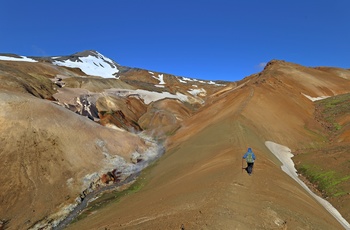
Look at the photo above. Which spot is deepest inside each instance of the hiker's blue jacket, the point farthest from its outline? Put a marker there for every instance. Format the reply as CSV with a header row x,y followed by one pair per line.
x,y
249,156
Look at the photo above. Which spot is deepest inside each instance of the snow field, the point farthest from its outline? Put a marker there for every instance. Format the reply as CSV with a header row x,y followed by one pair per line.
x,y
91,65
315,98
147,96
22,58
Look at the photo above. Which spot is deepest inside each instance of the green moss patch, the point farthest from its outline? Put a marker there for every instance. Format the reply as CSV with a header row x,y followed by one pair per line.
x,y
334,107
329,182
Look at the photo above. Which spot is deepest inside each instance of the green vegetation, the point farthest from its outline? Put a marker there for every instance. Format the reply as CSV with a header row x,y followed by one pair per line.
x,y
339,101
337,126
328,182
334,107
319,137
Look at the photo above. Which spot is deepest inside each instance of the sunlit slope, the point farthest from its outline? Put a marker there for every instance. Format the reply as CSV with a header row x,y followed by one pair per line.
x,y
46,152
199,182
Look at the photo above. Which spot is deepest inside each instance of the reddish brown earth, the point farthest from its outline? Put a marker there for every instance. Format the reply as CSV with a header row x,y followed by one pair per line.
x,y
199,182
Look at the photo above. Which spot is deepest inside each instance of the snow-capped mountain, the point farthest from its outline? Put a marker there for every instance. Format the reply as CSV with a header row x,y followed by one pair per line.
x,y
149,86
93,63
13,57
90,62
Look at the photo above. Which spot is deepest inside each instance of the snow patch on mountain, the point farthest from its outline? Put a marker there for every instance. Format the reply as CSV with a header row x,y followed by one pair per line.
x,y
198,92
19,58
147,96
186,80
181,80
214,83
315,98
160,78
95,65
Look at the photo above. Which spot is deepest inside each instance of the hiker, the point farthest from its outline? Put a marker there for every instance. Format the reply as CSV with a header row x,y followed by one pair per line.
x,y
249,156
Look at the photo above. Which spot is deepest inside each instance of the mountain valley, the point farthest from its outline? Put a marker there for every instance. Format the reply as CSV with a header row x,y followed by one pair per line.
x,y
71,125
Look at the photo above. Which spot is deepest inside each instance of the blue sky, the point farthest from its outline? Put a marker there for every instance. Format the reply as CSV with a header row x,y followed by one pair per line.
x,y
205,39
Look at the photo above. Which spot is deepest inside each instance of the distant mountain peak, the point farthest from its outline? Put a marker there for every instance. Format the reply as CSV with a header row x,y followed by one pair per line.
x,y
87,53
90,62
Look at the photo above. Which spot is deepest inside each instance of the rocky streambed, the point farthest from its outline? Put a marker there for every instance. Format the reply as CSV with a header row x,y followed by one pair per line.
x,y
125,173
84,203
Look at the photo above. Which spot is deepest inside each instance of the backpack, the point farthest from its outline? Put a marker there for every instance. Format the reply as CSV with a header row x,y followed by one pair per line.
x,y
249,158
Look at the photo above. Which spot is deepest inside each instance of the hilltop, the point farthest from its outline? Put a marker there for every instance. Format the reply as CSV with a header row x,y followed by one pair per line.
x,y
67,121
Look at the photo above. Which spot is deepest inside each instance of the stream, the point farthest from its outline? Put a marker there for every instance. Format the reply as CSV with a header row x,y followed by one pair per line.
x,y
80,207
134,171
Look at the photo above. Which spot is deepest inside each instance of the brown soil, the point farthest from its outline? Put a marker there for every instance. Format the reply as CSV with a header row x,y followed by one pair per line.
x,y
199,182
46,151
